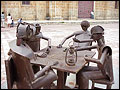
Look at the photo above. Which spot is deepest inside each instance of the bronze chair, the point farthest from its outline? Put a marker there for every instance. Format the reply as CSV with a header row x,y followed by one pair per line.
x,y
25,77
10,72
109,69
102,81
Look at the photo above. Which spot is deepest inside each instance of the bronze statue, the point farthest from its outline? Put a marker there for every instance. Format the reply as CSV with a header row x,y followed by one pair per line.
x,y
102,72
22,53
32,38
97,36
104,68
25,77
33,35
80,35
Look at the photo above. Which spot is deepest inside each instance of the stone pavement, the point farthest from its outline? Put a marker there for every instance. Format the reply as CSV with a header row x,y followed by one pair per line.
x,y
57,32
92,21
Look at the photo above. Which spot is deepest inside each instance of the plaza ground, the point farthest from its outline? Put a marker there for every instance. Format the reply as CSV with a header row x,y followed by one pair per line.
x,y
57,32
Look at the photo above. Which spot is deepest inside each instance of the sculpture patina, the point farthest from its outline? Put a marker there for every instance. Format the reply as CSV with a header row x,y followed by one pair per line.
x,y
22,51
27,44
31,34
79,35
104,69
71,56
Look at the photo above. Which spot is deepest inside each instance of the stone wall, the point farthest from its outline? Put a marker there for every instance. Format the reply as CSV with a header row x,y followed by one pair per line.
x,y
73,10
106,10
38,10
56,10
28,12
65,10
11,7
41,10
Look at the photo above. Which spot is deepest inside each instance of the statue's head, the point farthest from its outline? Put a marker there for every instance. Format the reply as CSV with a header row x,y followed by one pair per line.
x,y
85,25
38,28
26,31
97,32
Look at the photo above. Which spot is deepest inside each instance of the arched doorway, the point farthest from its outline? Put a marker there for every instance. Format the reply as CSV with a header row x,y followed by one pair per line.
x,y
85,8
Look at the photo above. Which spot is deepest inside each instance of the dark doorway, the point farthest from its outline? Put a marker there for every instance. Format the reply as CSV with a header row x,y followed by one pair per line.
x,y
85,8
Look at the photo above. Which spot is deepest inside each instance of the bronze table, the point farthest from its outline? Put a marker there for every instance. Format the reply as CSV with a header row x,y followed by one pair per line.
x,y
58,54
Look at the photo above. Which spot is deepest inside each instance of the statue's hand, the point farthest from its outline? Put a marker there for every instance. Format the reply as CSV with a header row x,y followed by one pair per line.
x,y
43,55
48,50
10,53
49,46
59,46
75,40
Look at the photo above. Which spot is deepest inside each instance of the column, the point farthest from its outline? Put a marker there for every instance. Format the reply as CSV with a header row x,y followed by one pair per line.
x,y
73,10
58,10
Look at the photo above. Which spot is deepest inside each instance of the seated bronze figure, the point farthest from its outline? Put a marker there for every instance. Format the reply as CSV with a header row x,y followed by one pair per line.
x,y
21,53
32,35
80,35
104,68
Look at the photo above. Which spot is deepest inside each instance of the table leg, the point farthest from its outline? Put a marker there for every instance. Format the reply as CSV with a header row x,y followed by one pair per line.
x,y
60,81
77,79
65,77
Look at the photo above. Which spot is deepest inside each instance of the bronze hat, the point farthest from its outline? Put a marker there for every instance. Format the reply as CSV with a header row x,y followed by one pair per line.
x,y
97,29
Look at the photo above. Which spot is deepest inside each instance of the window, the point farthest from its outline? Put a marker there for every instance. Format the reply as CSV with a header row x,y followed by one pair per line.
x,y
116,4
25,2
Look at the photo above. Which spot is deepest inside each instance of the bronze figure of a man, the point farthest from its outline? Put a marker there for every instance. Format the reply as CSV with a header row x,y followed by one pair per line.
x,y
22,53
104,61
80,35
32,35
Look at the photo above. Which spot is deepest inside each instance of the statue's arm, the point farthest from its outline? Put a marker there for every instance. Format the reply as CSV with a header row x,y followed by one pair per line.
x,y
103,56
86,48
45,80
63,41
82,41
88,59
98,61
41,72
48,39
46,68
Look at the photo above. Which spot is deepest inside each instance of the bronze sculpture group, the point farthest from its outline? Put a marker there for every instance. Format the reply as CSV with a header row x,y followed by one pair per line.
x,y
27,47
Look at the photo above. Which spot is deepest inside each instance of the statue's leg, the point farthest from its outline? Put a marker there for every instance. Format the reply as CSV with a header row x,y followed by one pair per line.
x,y
47,86
46,80
86,68
89,75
